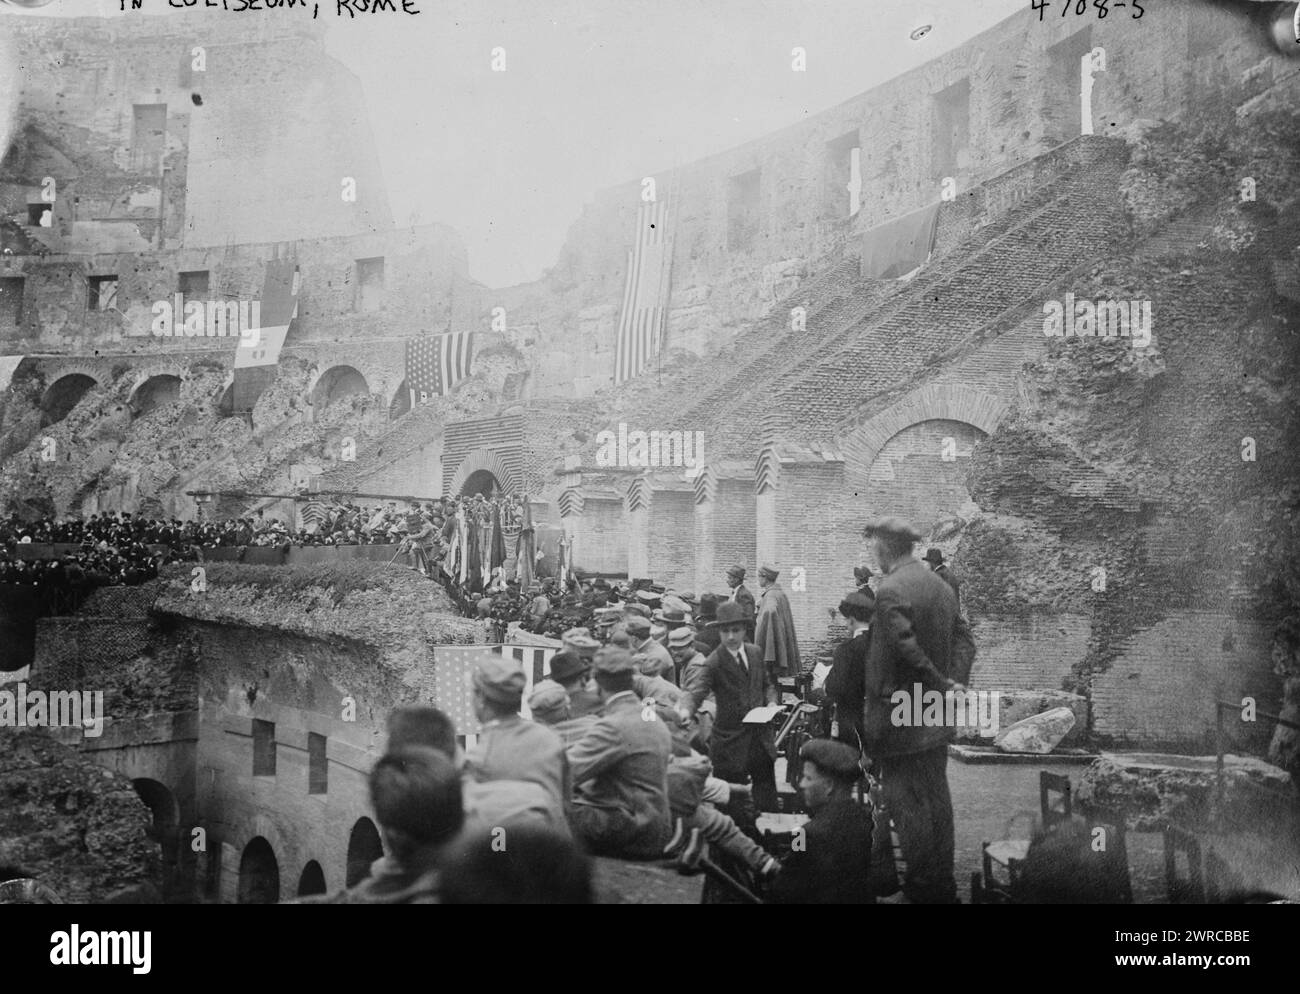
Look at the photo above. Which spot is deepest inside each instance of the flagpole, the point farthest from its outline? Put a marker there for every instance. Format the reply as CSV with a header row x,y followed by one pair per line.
x,y
666,290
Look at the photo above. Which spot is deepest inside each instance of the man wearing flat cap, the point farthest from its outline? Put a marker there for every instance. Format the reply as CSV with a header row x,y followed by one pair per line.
x,y
739,681
833,866
911,644
510,747
774,626
620,769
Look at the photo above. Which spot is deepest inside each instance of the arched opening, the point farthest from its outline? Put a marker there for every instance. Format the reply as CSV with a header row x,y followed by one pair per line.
x,y
336,384
259,874
401,402
156,392
364,848
481,481
162,805
312,880
62,396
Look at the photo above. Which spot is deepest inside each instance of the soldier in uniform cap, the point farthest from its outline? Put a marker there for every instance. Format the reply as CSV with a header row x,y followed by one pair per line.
x,y
643,644
510,747
739,592
580,643
834,864
620,769
912,643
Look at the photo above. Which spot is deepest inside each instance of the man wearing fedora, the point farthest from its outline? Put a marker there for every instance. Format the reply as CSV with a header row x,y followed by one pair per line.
x,y
774,625
739,680
570,670
935,558
911,643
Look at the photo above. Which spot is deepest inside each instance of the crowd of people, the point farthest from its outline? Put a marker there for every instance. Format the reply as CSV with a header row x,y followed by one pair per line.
x,y
642,744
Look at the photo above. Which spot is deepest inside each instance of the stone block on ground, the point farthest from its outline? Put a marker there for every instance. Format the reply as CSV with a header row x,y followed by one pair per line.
x,y
1040,733
1156,789
1015,705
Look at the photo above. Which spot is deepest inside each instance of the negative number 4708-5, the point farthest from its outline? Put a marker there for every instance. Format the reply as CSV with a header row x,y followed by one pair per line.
x,y
1080,7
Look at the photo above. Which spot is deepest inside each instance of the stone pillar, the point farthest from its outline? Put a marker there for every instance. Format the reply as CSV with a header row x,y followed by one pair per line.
x,y
724,523
670,531
636,512
798,491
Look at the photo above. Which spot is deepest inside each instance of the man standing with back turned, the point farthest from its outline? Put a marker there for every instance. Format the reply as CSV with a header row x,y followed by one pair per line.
x,y
911,644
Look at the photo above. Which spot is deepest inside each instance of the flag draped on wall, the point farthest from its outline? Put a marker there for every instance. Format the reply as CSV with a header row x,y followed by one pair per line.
x,y
641,322
453,689
436,364
257,355
898,247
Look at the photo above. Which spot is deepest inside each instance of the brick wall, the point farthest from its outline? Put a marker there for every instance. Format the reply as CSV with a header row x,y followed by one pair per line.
x,y
671,538
602,536
1034,651
1163,686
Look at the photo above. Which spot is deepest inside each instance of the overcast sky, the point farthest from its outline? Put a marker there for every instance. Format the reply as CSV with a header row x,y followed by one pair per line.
x,y
595,92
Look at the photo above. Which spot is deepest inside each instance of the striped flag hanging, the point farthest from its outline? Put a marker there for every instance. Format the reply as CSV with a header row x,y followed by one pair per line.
x,y
436,364
641,322
257,355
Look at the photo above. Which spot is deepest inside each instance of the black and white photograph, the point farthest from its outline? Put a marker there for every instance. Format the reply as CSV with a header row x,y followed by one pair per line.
x,y
651,452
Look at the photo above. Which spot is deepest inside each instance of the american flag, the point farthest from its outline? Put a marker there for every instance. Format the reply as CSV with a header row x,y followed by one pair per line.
x,y
641,322
434,365
453,680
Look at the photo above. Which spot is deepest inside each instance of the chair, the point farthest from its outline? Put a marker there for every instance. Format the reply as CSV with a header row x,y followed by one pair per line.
x,y
1119,884
1008,853
1188,889
1220,881
1050,786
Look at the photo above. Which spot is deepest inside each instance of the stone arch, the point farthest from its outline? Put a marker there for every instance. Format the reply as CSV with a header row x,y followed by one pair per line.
x,y
161,802
63,394
364,847
259,873
932,402
399,401
484,459
311,880
336,383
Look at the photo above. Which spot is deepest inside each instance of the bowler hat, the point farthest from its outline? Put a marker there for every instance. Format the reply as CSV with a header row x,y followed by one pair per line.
x,y
934,556
729,613
566,664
